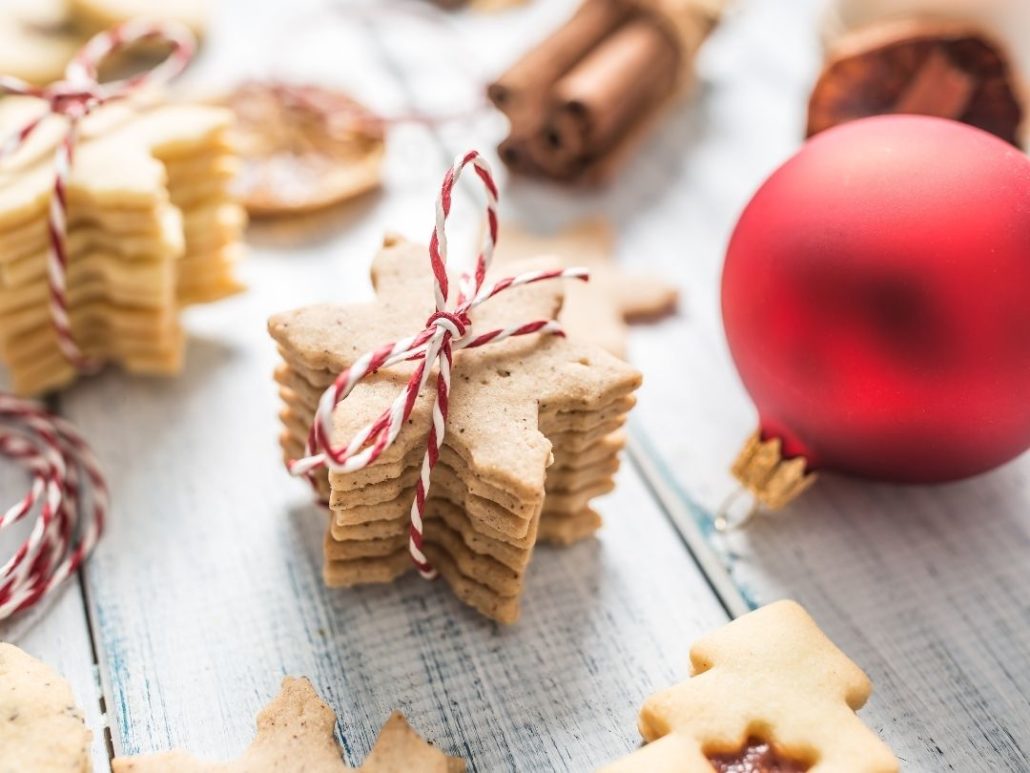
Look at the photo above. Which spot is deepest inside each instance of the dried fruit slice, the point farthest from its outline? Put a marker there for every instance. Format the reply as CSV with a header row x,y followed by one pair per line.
x,y
303,147
946,70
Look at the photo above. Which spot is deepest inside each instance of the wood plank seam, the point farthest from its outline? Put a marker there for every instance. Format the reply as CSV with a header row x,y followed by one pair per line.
x,y
691,522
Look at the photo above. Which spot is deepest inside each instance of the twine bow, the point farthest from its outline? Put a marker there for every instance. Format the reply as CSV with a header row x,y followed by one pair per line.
x,y
445,331
74,98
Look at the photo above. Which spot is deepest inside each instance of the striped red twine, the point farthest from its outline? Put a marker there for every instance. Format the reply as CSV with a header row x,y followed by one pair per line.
x,y
74,98
64,472
444,332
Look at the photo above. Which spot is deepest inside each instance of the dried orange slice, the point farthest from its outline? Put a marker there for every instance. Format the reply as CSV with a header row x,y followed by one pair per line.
x,y
303,147
946,70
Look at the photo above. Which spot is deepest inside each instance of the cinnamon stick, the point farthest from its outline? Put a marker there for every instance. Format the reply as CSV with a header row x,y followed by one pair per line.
x,y
542,66
596,103
526,150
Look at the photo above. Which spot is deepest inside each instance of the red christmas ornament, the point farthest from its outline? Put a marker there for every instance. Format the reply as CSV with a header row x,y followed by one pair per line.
x,y
876,299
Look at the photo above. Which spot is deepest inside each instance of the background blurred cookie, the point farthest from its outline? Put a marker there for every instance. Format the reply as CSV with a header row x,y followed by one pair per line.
x,y
39,37
303,147
601,310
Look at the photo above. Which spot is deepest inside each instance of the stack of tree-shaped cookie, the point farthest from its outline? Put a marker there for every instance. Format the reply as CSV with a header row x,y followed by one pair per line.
x,y
150,225
532,435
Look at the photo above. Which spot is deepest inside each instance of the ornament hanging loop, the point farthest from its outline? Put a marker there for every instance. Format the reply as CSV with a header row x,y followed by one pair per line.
x,y
769,480
737,510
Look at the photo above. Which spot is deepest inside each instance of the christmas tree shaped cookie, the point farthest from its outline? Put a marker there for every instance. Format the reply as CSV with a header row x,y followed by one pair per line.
x,y
531,437
296,732
770,693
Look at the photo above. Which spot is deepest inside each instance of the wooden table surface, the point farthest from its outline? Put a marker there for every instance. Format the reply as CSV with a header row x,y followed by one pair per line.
x,y
206,588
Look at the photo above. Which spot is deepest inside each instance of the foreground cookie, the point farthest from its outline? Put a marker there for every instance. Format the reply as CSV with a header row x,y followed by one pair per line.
x,y
599,310
532,434
771,674
41,728
295,732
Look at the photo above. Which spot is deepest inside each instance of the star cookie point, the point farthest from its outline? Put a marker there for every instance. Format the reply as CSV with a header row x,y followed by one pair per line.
x,y
399,749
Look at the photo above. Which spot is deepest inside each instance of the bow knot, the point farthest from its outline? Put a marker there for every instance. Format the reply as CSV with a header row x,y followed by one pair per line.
x,y
74,102
455,323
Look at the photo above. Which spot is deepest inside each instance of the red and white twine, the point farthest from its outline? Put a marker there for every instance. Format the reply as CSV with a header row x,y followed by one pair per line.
x,y
445,331
64,473
74,98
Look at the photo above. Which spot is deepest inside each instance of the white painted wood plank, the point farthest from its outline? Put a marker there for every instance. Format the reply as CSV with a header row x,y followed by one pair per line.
x,y
207,588
56,630
925,587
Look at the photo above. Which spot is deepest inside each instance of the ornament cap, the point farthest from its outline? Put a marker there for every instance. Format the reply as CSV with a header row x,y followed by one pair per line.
x,y
771,479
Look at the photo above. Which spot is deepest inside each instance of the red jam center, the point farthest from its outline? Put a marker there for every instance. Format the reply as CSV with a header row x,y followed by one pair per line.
x,y
756,757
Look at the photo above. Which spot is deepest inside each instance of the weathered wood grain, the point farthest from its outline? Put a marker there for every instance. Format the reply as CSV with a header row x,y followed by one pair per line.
x,y
207,588
55,631
925,587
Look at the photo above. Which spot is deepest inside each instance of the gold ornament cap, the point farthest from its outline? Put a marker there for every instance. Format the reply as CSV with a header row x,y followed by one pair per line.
x,y
772,480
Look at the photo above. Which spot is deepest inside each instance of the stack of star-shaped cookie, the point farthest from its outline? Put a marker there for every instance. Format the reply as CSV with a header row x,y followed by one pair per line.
x,y
532,436
151,225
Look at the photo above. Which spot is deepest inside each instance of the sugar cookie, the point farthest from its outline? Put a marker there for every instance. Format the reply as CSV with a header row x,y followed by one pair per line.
x,y
41,728
767,690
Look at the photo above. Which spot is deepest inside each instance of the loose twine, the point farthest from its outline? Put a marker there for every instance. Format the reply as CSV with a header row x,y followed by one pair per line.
x,y
64,473
445,331
63,469
74,98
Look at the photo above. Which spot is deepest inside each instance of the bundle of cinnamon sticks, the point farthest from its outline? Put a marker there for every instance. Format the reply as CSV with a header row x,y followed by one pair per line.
x,y
585,96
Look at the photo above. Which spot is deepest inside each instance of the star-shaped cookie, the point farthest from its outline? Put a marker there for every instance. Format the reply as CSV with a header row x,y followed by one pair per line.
x,y
524,414
600,310
295,732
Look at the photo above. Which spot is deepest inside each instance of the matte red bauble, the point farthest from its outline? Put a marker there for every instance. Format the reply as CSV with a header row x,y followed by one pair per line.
x,y
876,299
